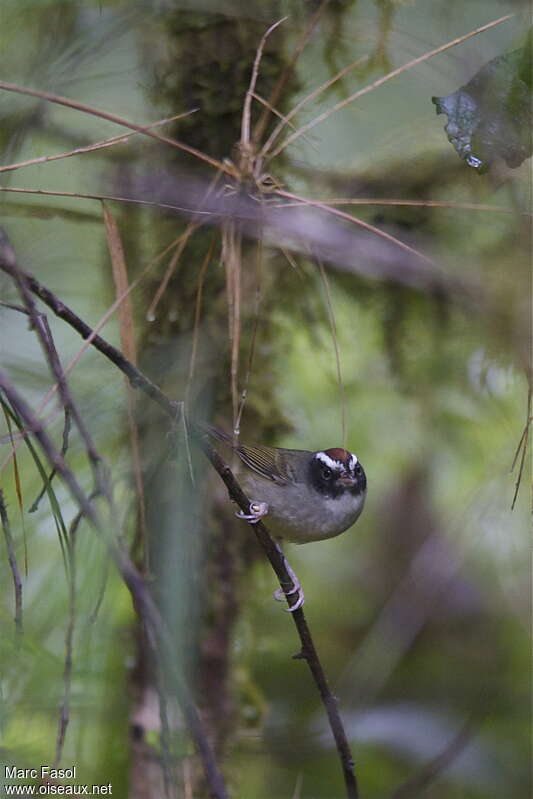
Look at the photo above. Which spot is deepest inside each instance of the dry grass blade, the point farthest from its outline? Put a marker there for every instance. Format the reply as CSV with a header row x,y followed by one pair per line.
x,y
361,92
110,197
99,145
127,339
272,110
120,278
356,221
287,72
87,109
277,130
247,106
231,256
181,243
451,204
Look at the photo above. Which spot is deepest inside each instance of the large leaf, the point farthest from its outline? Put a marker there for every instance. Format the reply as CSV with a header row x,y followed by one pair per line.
x,y
490,117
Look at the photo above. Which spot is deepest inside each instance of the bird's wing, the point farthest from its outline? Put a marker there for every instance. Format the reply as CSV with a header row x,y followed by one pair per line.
x,y
278,465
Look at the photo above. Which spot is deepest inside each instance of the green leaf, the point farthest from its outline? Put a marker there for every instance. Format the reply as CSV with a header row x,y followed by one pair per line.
x,y
490,117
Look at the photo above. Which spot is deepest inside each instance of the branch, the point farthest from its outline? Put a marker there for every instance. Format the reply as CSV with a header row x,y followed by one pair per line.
x,y
139,380
136,378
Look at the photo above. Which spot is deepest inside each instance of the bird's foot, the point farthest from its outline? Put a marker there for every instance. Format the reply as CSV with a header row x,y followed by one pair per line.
x,y
281,594
256,512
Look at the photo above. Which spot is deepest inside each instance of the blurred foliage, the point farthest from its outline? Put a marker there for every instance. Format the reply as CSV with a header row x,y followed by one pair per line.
x,y
421,613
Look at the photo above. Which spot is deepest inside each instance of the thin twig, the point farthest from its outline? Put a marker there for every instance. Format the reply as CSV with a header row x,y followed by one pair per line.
x,y
171,268
87,109
89,148
247,106
357,221
135,377
288,71
307,99
112,198
181,243
451,204
97,327
12,558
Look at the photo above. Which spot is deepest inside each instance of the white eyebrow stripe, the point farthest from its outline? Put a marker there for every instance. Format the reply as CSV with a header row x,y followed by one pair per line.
x,y
353,462
321,456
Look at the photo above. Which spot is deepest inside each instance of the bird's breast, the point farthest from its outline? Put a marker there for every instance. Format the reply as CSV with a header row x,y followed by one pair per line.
x,y
300,514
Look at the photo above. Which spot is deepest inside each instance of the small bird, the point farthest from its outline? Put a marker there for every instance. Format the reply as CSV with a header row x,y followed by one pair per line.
x,y
308,496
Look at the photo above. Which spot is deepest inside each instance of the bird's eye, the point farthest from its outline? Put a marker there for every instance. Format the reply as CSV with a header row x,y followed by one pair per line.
x,y
326,473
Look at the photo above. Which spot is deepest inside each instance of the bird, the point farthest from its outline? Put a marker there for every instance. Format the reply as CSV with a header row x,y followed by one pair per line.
x,y
307,496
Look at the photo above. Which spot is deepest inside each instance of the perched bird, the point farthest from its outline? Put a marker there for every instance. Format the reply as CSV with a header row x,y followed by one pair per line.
x,y
308,496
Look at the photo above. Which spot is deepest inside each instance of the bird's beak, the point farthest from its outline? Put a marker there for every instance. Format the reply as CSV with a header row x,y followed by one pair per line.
x,y
349,482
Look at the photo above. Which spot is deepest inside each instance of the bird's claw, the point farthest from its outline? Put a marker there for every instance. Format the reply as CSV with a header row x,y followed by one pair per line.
x,y
280,595
257,511
299,601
